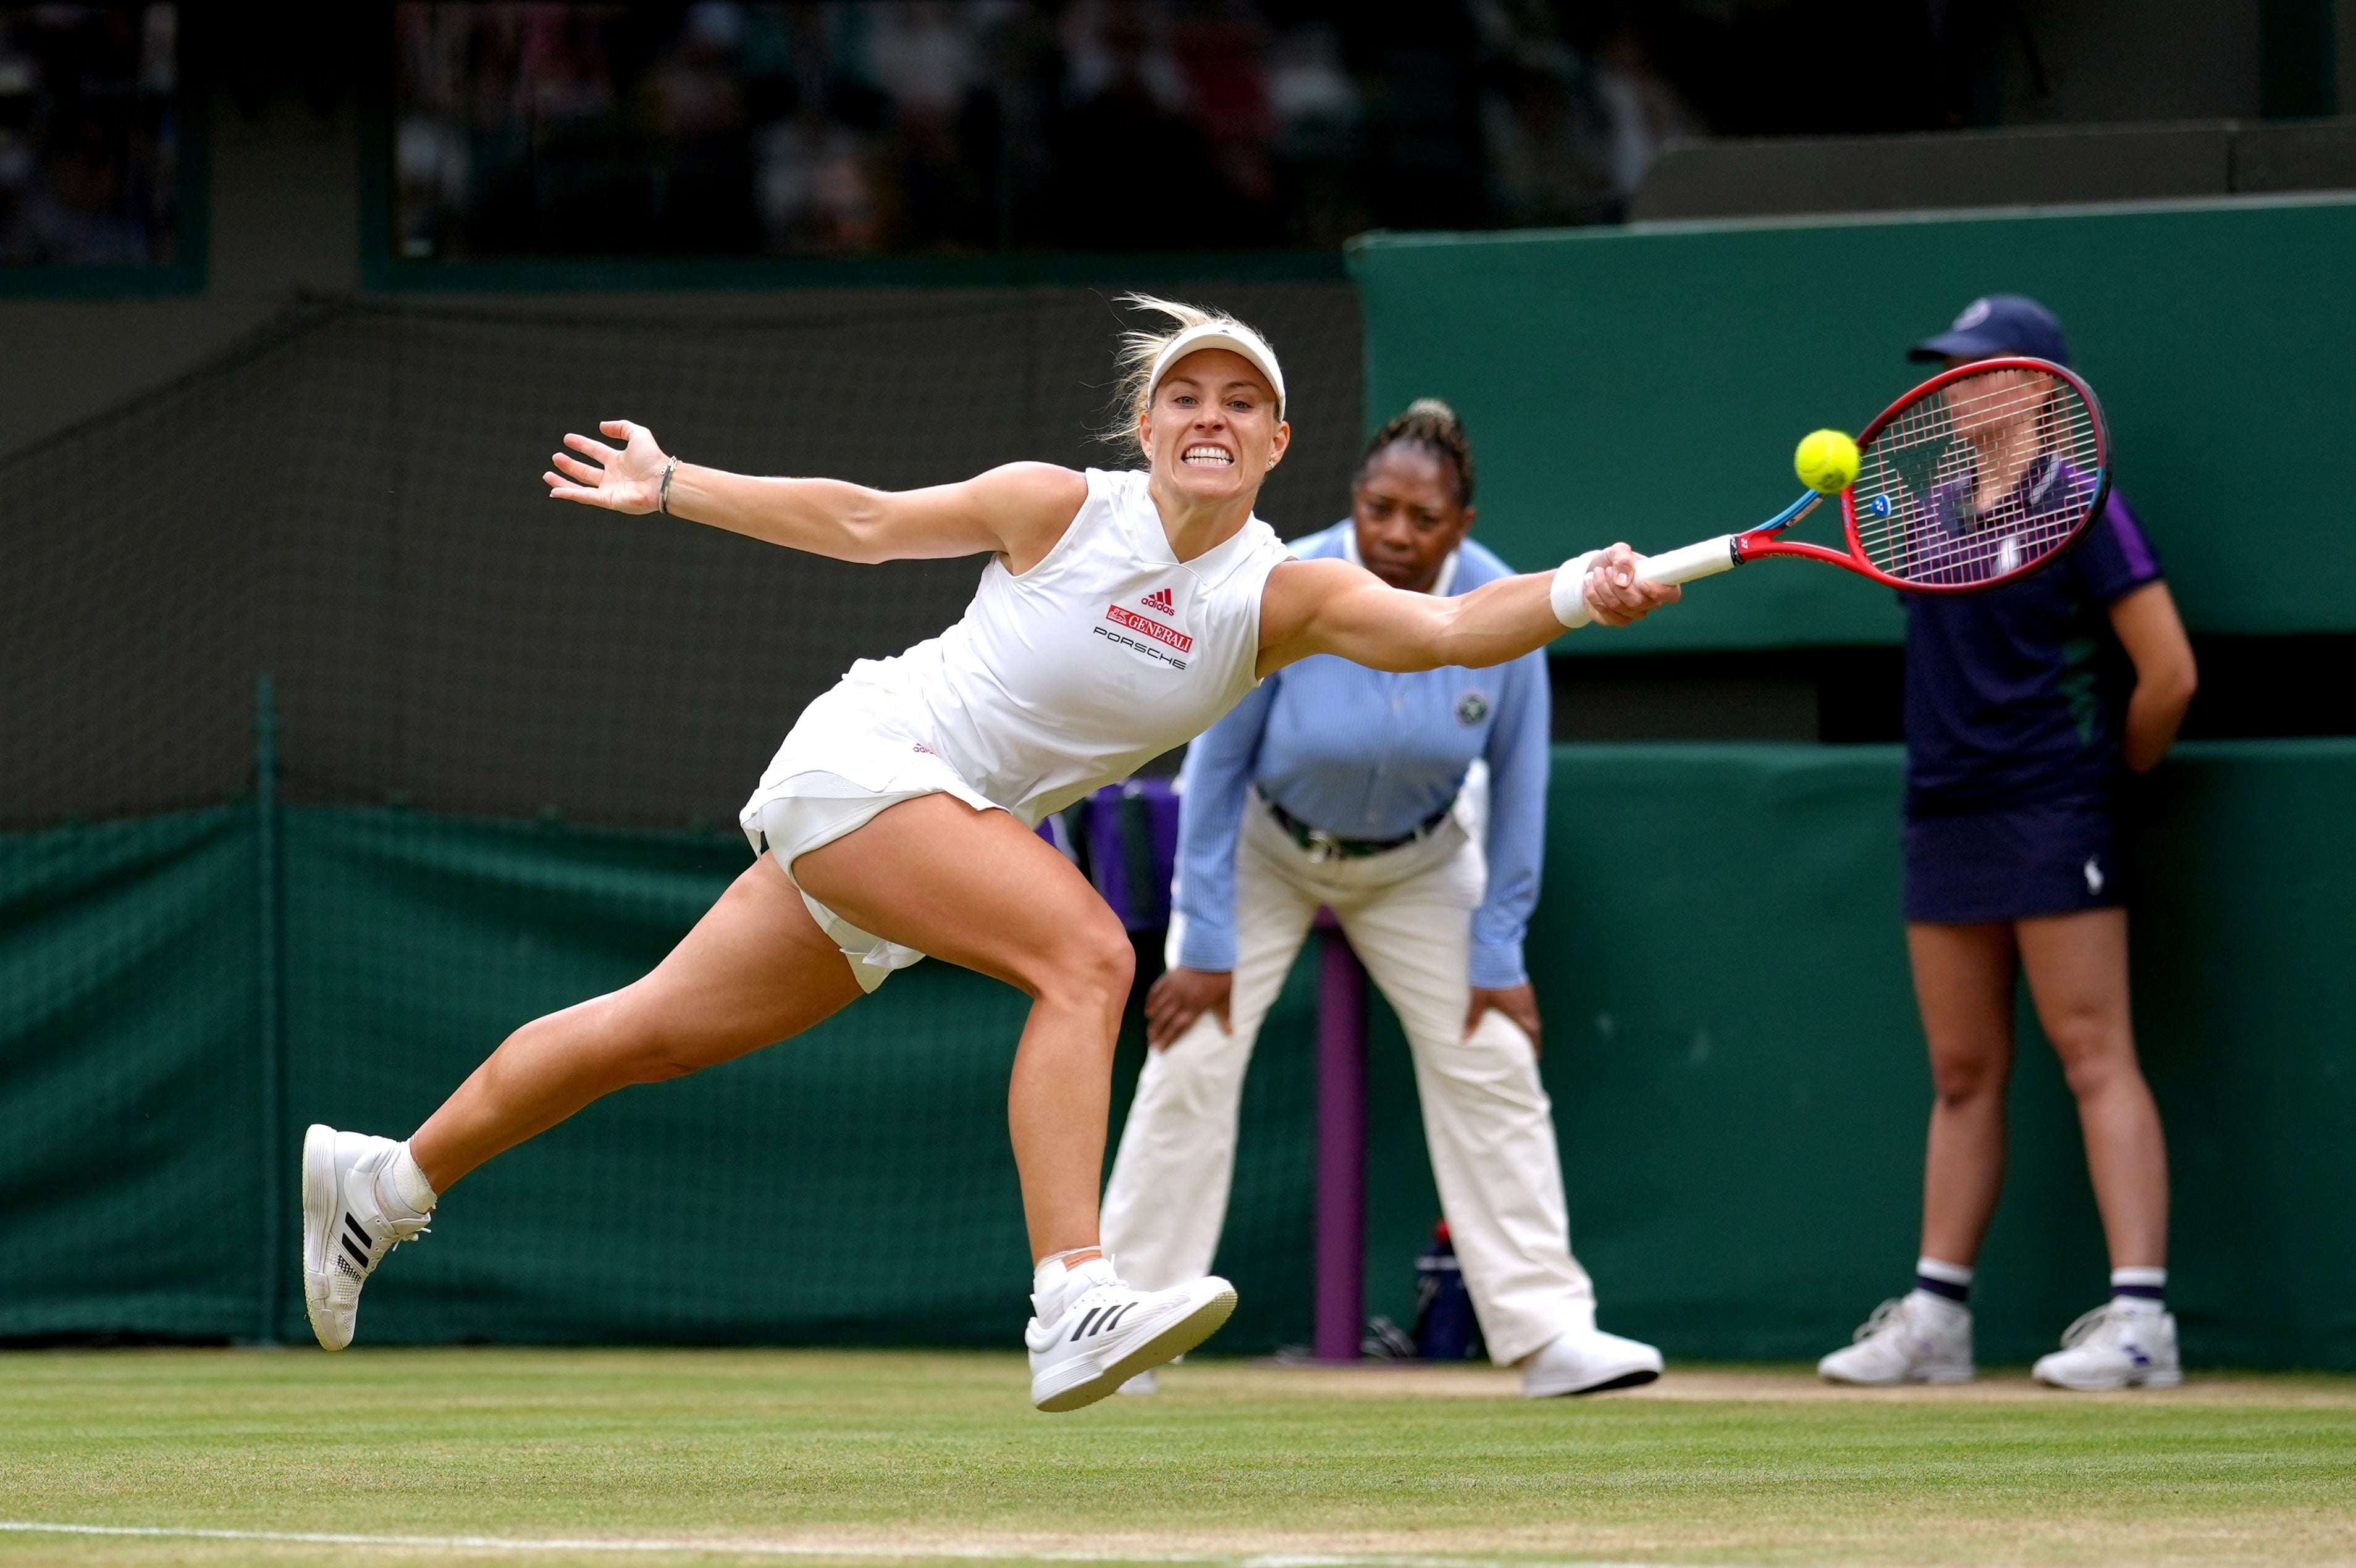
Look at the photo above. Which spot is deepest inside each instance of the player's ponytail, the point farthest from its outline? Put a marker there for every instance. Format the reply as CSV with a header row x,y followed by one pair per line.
x,y
1433,426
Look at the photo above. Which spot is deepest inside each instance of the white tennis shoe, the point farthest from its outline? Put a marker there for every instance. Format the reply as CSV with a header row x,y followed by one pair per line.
x,y
2114,1347
346,1228
1091,1333
1916,1339
1588,1360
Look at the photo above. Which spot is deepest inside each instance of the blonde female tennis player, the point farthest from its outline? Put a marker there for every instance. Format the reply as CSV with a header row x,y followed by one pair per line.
x,y
1121,614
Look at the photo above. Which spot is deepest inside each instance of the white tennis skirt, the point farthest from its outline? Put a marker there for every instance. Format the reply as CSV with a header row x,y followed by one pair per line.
x,y
847,761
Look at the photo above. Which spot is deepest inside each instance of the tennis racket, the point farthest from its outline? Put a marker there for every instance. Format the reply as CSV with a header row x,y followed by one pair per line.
x,y
1977,477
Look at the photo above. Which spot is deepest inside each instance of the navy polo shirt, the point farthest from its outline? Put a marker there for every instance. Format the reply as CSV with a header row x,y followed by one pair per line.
x,y
2014,697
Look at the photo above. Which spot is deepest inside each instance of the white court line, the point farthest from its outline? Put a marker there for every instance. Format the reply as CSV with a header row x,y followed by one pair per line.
x,y
797,1548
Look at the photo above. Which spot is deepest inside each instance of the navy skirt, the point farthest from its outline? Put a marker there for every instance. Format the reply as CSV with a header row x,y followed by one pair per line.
x,y
2050,858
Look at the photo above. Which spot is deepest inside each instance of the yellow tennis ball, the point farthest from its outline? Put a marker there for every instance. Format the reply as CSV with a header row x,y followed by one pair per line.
x,y
1826,462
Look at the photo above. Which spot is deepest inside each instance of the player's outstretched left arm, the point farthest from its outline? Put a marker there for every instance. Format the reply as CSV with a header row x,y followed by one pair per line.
x,y
1330,607
1019,510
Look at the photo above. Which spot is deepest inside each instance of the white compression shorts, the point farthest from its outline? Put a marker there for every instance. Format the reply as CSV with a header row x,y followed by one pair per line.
x,y
810,810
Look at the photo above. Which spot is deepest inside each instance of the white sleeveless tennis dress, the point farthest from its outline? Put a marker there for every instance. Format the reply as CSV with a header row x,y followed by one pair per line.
x,y
1103,656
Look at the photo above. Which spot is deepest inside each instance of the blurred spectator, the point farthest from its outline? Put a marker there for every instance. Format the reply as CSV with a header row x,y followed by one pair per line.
x,y
89,134
906,126
1539,118
1133,171
1642,113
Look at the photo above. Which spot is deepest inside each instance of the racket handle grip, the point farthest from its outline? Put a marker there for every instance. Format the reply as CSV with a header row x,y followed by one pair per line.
x,y
1704,559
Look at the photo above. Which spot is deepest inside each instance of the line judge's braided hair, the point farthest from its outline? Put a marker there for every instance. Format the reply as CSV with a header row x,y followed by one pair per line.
x,y
1433,426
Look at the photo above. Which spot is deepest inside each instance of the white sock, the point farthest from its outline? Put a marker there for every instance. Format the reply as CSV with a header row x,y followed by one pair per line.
x,y
1051,1282
402,1187
2139,1289
1943,1285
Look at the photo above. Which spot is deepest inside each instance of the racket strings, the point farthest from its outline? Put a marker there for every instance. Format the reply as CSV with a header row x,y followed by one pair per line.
x,y
1978,479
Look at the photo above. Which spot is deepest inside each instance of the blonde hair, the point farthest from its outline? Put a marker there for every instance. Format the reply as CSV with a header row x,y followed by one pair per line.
x,y
1138,350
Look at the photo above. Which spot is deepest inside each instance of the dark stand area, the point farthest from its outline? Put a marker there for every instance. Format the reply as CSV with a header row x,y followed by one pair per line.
x,y
2252,688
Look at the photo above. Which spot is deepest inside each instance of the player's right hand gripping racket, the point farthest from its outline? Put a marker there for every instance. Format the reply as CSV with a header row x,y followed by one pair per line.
x,y
1980,475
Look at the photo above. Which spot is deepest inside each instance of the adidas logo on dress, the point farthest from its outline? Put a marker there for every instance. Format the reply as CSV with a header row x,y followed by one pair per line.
x,y
1159,602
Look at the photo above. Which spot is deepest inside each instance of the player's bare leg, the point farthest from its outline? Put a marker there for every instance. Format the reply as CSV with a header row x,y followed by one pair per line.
x,y
971,887
1963,977
979,889
755,969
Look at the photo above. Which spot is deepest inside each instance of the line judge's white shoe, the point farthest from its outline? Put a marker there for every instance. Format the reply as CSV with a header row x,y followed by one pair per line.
x,y
1091,1333
346,1230
1916,1339
2113,1347
1588,1360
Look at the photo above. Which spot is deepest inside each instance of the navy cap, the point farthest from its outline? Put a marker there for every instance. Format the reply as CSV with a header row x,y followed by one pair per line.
x,y
1998,324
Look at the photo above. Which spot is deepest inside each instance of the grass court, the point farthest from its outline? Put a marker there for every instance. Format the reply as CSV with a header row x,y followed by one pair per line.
x,y
665,1456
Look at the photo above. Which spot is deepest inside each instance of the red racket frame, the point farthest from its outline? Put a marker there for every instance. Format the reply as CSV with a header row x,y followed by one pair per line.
x,y
1763,540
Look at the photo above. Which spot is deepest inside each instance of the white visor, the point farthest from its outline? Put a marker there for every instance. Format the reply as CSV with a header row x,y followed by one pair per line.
x,y
1231,336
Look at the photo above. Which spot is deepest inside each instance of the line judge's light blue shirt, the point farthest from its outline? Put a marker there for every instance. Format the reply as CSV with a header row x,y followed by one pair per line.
x,y
1365,754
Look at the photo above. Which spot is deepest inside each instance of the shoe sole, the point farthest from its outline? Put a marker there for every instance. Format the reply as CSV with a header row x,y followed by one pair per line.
x,y
1637,1377
2155,1380
1165,1347
1936,1379
318,1200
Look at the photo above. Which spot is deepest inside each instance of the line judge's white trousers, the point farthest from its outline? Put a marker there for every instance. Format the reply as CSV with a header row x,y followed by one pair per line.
x,y
1408,914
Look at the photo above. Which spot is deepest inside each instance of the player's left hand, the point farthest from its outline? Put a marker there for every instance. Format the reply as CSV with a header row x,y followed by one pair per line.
x,y
1617,595
627,478
1519,1003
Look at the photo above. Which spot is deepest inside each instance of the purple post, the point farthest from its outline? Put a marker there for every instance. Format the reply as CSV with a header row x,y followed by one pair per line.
x,y
1341,1146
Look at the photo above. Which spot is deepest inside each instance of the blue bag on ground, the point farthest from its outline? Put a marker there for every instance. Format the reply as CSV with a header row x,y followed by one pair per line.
x,y
1445,1327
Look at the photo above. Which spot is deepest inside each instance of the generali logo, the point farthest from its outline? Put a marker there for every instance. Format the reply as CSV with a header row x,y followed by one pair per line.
x,y
1157,602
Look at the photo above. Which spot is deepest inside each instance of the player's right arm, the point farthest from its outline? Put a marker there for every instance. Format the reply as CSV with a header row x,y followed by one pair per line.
x,y
1019,511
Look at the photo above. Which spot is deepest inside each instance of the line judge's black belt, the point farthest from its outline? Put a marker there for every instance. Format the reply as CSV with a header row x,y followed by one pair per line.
x,y
1323,846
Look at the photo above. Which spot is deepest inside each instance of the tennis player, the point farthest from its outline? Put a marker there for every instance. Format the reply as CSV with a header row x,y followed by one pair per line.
x,y
1121,614
1339,785
2016,735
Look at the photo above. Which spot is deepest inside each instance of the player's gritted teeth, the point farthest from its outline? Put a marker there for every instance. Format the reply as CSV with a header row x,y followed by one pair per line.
x,y
1208,454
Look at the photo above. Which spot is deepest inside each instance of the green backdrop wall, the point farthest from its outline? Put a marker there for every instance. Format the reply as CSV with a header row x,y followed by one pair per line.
x,y
1740,1082
1736,1068
855,1187
1650,383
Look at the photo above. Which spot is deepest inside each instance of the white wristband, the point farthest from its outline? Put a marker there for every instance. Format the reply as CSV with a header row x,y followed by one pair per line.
x,y
1568,594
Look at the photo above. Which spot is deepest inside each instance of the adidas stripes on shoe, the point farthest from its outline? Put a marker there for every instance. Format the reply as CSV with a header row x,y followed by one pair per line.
x,y
1090,1333
347,1228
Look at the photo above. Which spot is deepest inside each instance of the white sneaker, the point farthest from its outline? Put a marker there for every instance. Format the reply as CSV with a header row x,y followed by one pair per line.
x,y
2114,1347
1144,1383
346,1231
1916,1339
1588,1360
1091,1333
